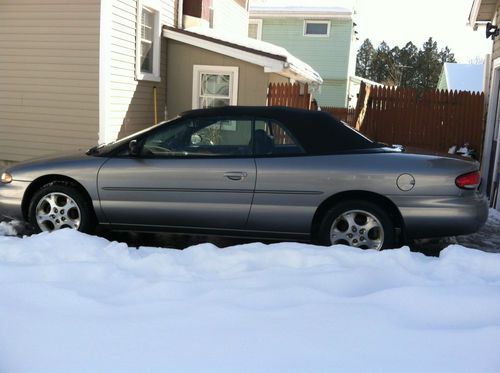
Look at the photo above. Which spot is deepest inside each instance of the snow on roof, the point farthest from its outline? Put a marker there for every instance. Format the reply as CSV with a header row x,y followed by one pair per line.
x,y
324,7
288,62
358,79
464,77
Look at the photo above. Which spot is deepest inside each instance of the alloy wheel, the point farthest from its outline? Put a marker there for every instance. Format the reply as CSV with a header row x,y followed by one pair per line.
x,y
357,228
56,211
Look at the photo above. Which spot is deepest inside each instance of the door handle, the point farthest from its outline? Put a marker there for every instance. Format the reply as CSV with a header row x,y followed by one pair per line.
x,y
235,175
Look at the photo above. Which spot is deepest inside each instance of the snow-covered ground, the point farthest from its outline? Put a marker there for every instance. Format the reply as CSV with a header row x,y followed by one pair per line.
x,y
487,238
70,302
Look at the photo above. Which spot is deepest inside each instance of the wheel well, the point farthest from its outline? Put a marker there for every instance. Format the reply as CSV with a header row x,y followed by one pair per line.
x,y
43,180
378,199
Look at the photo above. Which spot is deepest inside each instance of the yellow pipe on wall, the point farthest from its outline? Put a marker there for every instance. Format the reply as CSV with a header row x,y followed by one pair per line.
x,y
154,105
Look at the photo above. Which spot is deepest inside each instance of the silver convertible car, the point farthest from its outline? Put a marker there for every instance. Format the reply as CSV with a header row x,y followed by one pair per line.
x,y
261,172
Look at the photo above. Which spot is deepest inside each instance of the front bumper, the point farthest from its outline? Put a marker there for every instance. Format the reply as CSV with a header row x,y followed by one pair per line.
x,y
426,217
11,198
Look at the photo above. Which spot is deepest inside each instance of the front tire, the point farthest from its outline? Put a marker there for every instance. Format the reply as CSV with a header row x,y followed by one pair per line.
x,y
360,224
60,205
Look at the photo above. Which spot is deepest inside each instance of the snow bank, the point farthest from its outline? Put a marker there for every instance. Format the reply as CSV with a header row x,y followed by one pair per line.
x,y
73,302
494,216
8,228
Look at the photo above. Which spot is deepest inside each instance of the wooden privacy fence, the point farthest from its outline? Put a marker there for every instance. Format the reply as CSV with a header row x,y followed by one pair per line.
x,y
432,120
291,95
348,115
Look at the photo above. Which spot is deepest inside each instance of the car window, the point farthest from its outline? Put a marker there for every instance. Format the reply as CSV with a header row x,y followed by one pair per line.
x,y
201,137
271,138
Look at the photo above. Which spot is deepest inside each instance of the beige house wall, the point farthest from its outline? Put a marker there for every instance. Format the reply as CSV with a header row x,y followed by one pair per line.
x,y
181,57
275,78
49,76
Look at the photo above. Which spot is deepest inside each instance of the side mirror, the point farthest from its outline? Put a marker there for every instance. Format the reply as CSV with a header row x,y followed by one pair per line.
x,y
133,148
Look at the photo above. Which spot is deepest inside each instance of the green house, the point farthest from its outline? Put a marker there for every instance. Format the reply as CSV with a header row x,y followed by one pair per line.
x,y
319,33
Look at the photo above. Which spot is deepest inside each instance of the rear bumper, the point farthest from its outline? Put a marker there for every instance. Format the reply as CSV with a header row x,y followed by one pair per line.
x,y
426,217
11,198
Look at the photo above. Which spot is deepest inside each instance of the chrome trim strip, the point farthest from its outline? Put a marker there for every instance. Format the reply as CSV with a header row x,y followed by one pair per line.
x,y
201,190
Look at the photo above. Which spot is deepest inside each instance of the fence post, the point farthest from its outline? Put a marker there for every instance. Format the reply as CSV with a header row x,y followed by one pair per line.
x,y
362,105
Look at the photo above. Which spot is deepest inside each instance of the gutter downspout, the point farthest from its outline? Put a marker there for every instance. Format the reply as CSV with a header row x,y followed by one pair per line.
x,y
155,106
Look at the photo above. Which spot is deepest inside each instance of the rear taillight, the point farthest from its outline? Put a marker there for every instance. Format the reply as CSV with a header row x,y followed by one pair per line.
x,y
470,180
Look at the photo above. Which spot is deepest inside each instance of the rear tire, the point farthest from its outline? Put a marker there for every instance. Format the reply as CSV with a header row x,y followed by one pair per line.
x,y
60,205
360,224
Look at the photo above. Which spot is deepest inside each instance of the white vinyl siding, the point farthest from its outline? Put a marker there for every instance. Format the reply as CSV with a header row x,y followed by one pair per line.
x,y
131,104
230,17
49,77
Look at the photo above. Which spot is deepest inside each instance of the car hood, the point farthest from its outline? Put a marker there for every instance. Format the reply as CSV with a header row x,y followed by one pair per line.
x,y
68,164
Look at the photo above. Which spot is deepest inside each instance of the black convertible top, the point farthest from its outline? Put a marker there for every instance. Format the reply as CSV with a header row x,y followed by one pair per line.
x,y
318,132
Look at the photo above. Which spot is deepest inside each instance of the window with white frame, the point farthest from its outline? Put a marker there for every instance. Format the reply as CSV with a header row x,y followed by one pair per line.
x,y
317,28
255,29
214,86
148,42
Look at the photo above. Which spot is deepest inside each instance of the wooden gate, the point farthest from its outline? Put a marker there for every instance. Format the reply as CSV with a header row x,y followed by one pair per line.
x,y
348,115
287,94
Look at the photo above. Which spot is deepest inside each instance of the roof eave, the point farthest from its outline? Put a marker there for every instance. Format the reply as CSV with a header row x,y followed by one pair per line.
x,y
271,63
295,73
290,14
481,13
359,79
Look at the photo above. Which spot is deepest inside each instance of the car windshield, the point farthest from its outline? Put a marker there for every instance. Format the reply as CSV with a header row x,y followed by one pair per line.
x,y
104,149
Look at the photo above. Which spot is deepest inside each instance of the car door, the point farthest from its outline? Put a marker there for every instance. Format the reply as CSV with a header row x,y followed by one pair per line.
x,y
286,191
192,174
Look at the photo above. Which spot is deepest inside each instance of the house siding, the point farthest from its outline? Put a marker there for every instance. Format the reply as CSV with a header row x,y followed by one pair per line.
x,y
332,93
49,77
230,17
252,81
496,42
131,101
335,61
442,82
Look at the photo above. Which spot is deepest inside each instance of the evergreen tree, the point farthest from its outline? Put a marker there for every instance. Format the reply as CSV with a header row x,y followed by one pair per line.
x,y
405,67
428,65
445,55
407,61
394,67
364,59
381,63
